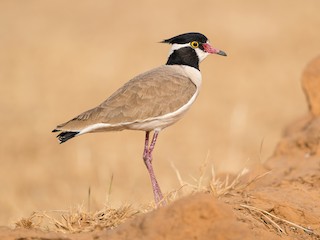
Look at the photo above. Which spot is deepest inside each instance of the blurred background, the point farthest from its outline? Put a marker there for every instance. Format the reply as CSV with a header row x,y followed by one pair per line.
x,y
60,58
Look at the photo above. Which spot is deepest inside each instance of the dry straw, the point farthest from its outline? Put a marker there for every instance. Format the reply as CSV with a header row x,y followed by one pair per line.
x,y
268,216
78,220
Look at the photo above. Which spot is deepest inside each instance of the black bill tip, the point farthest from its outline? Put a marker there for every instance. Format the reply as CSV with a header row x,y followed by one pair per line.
x,y
222,53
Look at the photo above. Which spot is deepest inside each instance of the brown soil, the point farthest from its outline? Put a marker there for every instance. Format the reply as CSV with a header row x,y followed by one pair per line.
x,y
283,204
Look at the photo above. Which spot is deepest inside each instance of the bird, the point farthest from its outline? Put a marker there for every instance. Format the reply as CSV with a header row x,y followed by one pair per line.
x,y
151,101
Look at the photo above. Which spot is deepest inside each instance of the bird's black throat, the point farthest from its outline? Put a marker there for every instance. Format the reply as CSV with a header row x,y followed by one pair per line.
x,y
184,56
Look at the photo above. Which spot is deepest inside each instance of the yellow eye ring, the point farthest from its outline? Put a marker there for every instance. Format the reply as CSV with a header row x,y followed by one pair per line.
x,y
194,44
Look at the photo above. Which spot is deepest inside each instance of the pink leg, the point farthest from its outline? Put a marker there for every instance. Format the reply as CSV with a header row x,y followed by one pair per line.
x,y
147,157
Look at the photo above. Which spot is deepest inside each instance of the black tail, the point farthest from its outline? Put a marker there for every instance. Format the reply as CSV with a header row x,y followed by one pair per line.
x,y
65,136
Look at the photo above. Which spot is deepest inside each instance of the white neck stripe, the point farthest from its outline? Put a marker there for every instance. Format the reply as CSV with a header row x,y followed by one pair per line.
x,y
177,46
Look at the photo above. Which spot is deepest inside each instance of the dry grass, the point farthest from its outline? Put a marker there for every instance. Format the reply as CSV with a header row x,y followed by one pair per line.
x,y
213,184
224,187
272,219
78,220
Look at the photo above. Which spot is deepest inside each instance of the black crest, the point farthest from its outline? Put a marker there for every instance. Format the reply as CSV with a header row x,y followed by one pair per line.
x,y
186,38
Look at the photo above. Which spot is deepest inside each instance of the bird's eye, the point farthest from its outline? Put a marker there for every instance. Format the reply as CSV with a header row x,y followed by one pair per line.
x,y
194,44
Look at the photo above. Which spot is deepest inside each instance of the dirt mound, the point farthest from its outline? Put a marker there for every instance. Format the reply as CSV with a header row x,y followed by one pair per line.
x,y
303,136
281,205
196,217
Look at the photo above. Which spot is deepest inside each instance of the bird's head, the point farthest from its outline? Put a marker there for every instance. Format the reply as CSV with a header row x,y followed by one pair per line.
x,y
190,49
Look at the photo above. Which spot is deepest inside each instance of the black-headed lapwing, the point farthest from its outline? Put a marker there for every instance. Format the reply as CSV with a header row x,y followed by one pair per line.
x,y
150,101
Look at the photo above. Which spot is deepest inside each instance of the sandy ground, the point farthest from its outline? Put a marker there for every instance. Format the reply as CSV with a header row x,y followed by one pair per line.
x,y
60,58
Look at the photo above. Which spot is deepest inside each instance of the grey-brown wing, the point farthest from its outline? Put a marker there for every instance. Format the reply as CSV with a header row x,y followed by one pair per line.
x,y
152,94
